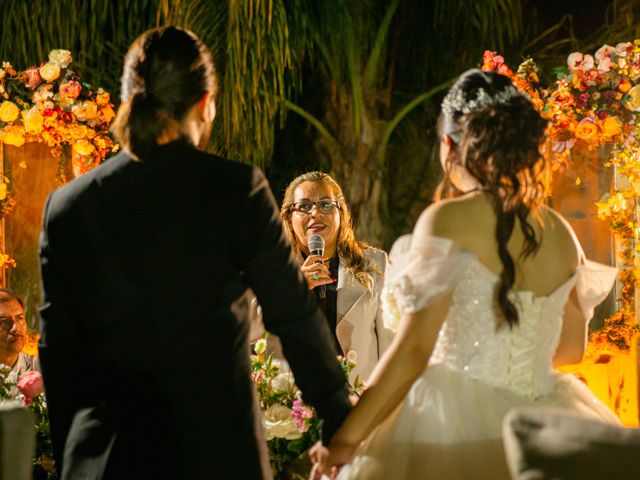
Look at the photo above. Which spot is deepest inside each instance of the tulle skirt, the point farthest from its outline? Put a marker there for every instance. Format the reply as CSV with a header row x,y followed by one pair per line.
x,y
450,427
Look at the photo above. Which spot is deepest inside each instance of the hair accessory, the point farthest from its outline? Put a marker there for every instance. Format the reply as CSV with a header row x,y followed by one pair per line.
x,y
455,101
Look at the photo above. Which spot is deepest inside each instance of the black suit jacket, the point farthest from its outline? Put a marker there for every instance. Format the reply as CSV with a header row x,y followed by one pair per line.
x,y
144,334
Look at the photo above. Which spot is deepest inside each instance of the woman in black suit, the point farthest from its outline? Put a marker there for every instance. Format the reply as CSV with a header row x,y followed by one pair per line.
x,y
145,263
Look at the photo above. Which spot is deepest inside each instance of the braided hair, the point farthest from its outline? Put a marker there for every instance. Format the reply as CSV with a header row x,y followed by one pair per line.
x,y
496,135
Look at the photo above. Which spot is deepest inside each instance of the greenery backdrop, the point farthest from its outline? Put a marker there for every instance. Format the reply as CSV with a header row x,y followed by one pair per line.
x,y
350,87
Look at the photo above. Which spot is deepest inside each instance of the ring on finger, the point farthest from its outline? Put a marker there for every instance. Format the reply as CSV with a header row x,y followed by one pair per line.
x,y
315,276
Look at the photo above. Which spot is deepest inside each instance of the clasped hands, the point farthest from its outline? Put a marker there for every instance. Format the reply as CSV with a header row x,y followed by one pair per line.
x,y
327,462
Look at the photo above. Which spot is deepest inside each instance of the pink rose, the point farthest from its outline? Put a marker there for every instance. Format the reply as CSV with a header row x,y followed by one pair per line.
x,y
30,384
33,78
70,89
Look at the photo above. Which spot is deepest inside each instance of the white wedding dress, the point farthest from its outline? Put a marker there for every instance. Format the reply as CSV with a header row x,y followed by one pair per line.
x,y
449,426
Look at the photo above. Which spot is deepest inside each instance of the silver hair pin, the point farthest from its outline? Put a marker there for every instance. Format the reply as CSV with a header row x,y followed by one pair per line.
x,y
456,102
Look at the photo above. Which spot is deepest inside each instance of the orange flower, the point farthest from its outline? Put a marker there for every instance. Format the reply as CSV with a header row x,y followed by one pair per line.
x,y
71,89
6,260
102,98
107,113
587,130
624,85
611,127
85,111
562,95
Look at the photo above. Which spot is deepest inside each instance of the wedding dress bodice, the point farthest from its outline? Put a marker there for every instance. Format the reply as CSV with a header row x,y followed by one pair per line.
x,y
470,341
518,358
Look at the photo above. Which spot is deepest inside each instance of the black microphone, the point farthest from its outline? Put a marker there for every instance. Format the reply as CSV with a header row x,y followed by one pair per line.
x,y
316,247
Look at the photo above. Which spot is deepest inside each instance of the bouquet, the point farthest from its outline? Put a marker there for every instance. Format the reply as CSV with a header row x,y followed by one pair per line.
x,y
291,426
29,389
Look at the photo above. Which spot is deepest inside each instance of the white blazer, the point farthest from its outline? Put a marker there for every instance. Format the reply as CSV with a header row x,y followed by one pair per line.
x,y
359,327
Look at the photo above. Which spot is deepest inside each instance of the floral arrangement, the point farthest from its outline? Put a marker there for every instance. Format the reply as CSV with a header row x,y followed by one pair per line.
x,y
49,104
594,102
29,389
291,427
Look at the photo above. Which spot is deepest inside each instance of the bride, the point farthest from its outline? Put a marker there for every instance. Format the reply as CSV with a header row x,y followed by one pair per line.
x,y
489,293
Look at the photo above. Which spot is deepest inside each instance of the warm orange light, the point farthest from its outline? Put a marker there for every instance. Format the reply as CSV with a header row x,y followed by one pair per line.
x,y
613,376
31,344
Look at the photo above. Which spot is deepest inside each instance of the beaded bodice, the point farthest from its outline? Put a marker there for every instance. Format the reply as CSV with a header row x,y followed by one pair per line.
x,y
518,359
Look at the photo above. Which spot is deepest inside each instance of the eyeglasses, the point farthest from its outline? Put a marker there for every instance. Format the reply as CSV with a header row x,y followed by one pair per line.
x,y
325,206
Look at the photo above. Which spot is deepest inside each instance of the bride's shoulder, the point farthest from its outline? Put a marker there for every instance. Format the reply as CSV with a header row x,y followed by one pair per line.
x,y
454,219
559,232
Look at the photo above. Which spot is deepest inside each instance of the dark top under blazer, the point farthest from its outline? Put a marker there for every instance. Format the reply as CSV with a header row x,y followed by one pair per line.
x,y
144,335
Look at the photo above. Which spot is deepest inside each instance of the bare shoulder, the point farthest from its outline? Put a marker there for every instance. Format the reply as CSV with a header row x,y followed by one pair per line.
x,y
455,219
560,235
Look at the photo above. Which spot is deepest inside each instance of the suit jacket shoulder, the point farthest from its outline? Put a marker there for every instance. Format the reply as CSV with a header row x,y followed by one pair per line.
x,y
377,257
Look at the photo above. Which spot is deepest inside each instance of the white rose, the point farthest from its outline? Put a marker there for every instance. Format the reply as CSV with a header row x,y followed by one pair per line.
x,y
283,381
352,356
278,423
60,57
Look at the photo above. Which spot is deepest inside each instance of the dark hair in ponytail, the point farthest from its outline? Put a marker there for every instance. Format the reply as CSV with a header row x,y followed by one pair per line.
x,y
166,71
497,134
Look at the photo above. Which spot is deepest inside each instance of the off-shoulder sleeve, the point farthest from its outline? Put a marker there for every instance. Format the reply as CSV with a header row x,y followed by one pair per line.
x,y
420,272
594,282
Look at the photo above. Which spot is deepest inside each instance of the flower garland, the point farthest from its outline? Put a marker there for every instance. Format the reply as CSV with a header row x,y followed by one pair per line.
x,y
595,101
48,104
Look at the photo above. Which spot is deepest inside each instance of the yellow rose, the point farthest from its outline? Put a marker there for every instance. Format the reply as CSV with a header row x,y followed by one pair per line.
x,y
83,147
632,101
49,71
12,135
586,130
77,131
611,127
33,120
60,57
8,112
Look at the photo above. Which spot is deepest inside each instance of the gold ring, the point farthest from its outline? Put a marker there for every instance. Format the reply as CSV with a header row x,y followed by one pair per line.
x,y
315,276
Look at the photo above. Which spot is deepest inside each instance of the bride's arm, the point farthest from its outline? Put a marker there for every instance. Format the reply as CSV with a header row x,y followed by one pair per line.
x,y
573,337
399,367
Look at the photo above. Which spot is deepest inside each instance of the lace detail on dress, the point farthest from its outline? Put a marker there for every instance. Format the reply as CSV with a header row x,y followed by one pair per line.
x,y
418,275
518,359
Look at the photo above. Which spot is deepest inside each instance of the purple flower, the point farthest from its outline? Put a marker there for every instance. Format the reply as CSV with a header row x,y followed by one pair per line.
x,y
300,414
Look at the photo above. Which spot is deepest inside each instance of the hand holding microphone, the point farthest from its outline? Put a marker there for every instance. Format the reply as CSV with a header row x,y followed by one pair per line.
x,y
314,268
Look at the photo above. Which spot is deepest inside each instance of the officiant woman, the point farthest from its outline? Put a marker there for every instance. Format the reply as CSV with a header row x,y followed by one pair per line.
x,y
348,278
